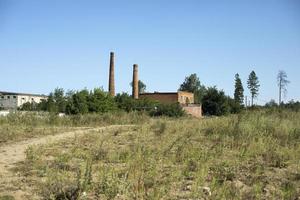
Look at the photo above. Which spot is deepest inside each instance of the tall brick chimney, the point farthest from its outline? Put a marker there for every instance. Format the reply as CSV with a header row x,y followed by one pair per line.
x,y
135,82
111,83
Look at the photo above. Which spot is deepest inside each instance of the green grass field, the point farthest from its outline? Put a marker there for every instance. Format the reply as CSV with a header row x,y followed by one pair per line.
x,y
253,155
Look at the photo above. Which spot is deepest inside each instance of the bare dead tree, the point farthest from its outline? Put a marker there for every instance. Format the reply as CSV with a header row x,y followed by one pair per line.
x,y
282,84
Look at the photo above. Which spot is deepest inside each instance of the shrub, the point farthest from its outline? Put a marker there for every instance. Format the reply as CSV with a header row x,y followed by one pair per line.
x,y
127,103
215,102
29,106
170,110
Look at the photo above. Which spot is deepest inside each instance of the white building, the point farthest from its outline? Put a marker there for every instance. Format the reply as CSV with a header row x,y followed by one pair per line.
x,y
12,100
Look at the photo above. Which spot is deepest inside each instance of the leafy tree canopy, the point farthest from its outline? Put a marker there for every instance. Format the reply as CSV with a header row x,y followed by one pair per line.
x,y
215,102
192,84
142,86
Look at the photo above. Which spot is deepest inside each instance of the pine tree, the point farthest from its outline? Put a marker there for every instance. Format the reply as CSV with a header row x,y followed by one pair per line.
x,y
239,90
253,85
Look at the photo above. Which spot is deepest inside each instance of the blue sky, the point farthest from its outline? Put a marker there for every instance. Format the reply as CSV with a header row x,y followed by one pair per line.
x,y
66,43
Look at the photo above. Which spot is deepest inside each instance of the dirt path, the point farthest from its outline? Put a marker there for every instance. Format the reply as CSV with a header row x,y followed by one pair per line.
x,y
13,153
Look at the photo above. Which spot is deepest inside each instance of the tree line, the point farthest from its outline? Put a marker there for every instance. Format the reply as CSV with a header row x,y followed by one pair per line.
x,y
213,100
99,101
216,102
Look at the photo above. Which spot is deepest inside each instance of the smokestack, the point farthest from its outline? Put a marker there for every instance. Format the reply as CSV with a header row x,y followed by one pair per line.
x,y
135,82
111,83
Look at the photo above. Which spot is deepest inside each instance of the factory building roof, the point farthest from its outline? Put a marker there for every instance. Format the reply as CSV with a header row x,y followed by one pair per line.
x,y
25,94
166,93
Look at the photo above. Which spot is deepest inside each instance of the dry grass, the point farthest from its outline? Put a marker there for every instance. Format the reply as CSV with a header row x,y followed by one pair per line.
x,y
249,156
17,127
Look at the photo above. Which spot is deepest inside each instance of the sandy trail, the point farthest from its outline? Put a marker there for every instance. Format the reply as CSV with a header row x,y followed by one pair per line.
x,y
11,154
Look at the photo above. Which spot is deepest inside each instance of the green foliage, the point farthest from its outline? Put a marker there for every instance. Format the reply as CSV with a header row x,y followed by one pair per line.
x,y
100,102
292,105
192,84
42,106
51,105
253,85
29,106
234,107
271,104
170,110
127,103
96,101
239,90
78,103
215,102
56,103
142,86
60,100
144,105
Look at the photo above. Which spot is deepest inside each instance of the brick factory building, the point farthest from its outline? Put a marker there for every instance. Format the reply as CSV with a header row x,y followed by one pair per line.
x,y
185,99
170,97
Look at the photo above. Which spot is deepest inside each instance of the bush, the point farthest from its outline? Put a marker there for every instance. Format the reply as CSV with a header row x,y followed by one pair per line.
x,y
96,101
29,106
215,102
234,107
124,102
170,110
127,103
292,105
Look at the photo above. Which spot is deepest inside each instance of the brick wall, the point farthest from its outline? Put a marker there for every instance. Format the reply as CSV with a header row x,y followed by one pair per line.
x,y
194,110
161,97
171,97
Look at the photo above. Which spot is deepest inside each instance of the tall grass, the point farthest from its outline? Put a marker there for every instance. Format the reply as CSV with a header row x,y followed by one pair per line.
x,y
48,119
253,155
19,126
